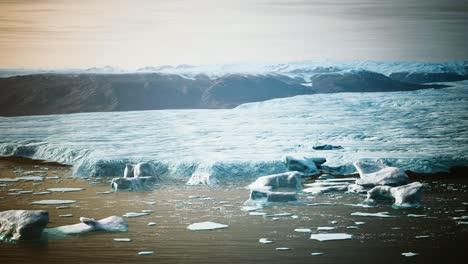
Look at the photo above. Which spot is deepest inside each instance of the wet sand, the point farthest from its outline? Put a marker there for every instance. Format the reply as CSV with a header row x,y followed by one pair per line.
x,y
379,240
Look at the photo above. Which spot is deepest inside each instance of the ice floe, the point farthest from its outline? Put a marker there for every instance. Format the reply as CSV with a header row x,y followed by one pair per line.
x,y
122,240
406,196
145,253
265,241
53,202
303,230
206,226
381,214
316,253
377,173
325,228
282,249
409,254
65,189
331,236
132,214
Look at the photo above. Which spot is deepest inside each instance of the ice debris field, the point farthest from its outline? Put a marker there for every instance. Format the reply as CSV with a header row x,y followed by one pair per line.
x,y
423,131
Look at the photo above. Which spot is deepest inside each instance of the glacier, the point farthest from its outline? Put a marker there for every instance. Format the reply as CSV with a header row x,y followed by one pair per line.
x,y
423,131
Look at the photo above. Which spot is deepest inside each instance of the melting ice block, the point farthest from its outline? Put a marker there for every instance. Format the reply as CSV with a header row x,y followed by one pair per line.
x,y
302,164
377,173
282,180
202,178
331,236
65,189
406,196
87,225
206,226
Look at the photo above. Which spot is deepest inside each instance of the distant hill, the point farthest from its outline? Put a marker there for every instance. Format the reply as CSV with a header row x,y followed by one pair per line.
x,y
43,94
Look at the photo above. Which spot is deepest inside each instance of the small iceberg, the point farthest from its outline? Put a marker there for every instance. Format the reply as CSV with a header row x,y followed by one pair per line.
x,y
377,173
381,214
53,202
409,254
282,249
206,226
331,236
406,196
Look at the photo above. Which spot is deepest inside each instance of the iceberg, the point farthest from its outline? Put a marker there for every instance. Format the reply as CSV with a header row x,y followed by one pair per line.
x,y
406,196
377,173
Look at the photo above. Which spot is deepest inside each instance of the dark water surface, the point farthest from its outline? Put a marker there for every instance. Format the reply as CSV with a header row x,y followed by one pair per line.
x,y
379,240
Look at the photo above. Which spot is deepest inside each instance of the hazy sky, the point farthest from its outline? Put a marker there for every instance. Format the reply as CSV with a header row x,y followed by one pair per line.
x,y
137,33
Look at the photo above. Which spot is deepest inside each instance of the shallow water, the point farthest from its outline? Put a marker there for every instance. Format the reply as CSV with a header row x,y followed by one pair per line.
x,y
379,240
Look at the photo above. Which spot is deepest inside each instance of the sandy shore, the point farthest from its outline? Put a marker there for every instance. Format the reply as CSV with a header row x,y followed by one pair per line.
x,y
378,240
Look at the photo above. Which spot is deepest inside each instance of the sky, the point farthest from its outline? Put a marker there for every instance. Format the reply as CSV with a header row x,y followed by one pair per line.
x,y
139,33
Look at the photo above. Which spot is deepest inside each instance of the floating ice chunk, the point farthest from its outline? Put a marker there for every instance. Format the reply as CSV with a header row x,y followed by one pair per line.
x,y
41,193
352,227
30,178
302,164
425,236
52,178
325,228
359,223
326,189
257,213
197,196
294,216
333,222
406,196
377,173
268,196
316,253
416,215
105,192
462,223
279,215
381,214
65,189
51,202
265,241
25,192
148,211
66,215
282,249
303,230
122,240
132,214
9,179
409,254
133,184
202,178
320,204
151,224
206,226
282,180
87,225
360,205
251,208
331,236
145,253
150,202
463,217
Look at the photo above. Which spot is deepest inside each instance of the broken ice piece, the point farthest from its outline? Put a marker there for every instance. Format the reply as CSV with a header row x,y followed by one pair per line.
x,y
265,241
325,228
282,249
422,236
303,230
151,224
122,239
409,254
65,189
206,226
415,215
381,214
148,211
359,223
331,236
145,253
49,202
132,214
316,253
257,213
65,215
